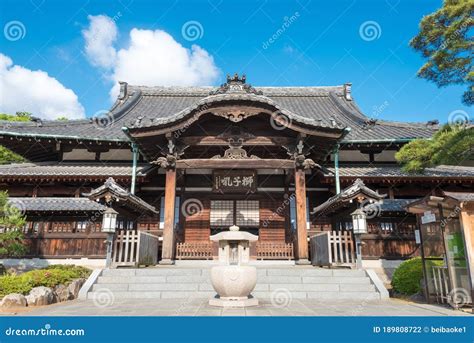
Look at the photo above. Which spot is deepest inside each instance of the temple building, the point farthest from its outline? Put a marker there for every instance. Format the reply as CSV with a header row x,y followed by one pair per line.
x,y
180,164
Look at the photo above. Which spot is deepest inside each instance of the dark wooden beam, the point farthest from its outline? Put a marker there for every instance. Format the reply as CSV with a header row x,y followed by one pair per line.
x,y
236,164
214,140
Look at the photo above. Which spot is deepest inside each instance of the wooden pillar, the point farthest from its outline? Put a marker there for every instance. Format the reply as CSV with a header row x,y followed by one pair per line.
x,y
301,231
167,255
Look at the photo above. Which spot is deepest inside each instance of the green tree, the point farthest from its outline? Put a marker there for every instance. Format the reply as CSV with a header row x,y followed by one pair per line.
x,y
451,145
445,40
6,155
12,240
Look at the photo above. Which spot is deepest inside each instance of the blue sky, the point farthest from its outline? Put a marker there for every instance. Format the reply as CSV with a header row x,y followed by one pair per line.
x,y
323,44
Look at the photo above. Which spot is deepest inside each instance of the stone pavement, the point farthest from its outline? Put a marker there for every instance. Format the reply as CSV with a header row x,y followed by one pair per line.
x,y
200,307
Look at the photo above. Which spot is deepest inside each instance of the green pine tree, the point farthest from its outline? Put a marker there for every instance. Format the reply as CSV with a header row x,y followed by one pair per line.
x,y
445,40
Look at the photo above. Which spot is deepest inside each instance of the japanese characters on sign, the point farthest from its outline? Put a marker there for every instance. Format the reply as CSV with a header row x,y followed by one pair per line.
x,y
234,181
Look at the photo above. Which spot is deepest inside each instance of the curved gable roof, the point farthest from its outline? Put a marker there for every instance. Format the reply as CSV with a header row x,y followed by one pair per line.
x,y
330,107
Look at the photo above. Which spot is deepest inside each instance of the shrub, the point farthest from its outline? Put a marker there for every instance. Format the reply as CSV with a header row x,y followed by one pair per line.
x,y
48,277
12,244
407,277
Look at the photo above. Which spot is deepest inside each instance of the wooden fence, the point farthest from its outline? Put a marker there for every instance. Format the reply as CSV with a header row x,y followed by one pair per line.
x,y
274,251
64,239
194,251
440,283
333,248
133,248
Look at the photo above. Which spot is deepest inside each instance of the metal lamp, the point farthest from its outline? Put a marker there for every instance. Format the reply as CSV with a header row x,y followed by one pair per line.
x,y
359,227
109,222
359,222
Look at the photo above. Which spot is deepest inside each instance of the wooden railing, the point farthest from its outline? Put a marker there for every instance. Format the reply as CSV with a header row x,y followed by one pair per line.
x,y
194,251
333,248
133,248
274,251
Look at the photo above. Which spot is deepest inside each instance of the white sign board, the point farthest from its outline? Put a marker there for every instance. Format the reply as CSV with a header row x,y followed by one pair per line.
x,y
417,237
428,217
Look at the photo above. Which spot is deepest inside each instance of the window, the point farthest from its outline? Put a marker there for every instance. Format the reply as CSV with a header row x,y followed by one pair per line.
x,y
244,213
247,213
123,224
222,213
81,226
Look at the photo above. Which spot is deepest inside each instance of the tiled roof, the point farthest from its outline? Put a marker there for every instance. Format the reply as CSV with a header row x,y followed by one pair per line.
x,y
357,189
395,205
47,204
144,106
65,169
113,188
373,170
462,197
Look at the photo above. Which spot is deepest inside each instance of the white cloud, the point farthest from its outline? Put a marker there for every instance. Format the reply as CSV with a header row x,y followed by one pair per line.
x,y
152,58
22,89
100,36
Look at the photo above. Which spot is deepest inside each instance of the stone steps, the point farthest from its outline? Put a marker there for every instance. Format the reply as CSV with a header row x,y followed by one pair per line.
x,y
292,282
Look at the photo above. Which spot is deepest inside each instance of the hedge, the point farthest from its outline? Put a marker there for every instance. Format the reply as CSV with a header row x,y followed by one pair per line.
x,y
407,277
50,277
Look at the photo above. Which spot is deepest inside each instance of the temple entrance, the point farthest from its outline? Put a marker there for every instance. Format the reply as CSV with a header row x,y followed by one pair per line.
x,y
266,215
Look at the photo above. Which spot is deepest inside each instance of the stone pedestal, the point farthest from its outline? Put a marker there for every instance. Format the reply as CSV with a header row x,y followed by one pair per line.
x,y
233,281
233,285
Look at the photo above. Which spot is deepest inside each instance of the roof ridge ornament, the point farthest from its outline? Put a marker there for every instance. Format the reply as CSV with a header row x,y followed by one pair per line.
x,y
235,84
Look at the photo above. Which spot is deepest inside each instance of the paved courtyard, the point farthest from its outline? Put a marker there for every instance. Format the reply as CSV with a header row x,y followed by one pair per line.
x,y
200,307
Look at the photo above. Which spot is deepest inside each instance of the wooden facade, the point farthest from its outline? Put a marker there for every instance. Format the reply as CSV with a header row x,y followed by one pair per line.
x,y
261,159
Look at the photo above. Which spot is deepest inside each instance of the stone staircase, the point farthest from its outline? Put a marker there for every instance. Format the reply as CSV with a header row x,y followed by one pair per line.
x,y
275,283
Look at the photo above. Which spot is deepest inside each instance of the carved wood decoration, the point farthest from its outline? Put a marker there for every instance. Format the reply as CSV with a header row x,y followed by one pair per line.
x,y
173,153
235,151
298,153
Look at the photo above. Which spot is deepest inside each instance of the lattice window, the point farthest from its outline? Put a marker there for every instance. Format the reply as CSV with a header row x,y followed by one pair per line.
x,y
247,213
81,226
222,213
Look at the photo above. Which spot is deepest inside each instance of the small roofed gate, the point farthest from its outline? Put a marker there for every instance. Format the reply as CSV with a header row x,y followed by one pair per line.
x,y
133,248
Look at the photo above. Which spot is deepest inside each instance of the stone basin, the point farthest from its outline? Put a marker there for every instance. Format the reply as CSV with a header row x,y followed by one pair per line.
x,y
233,284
